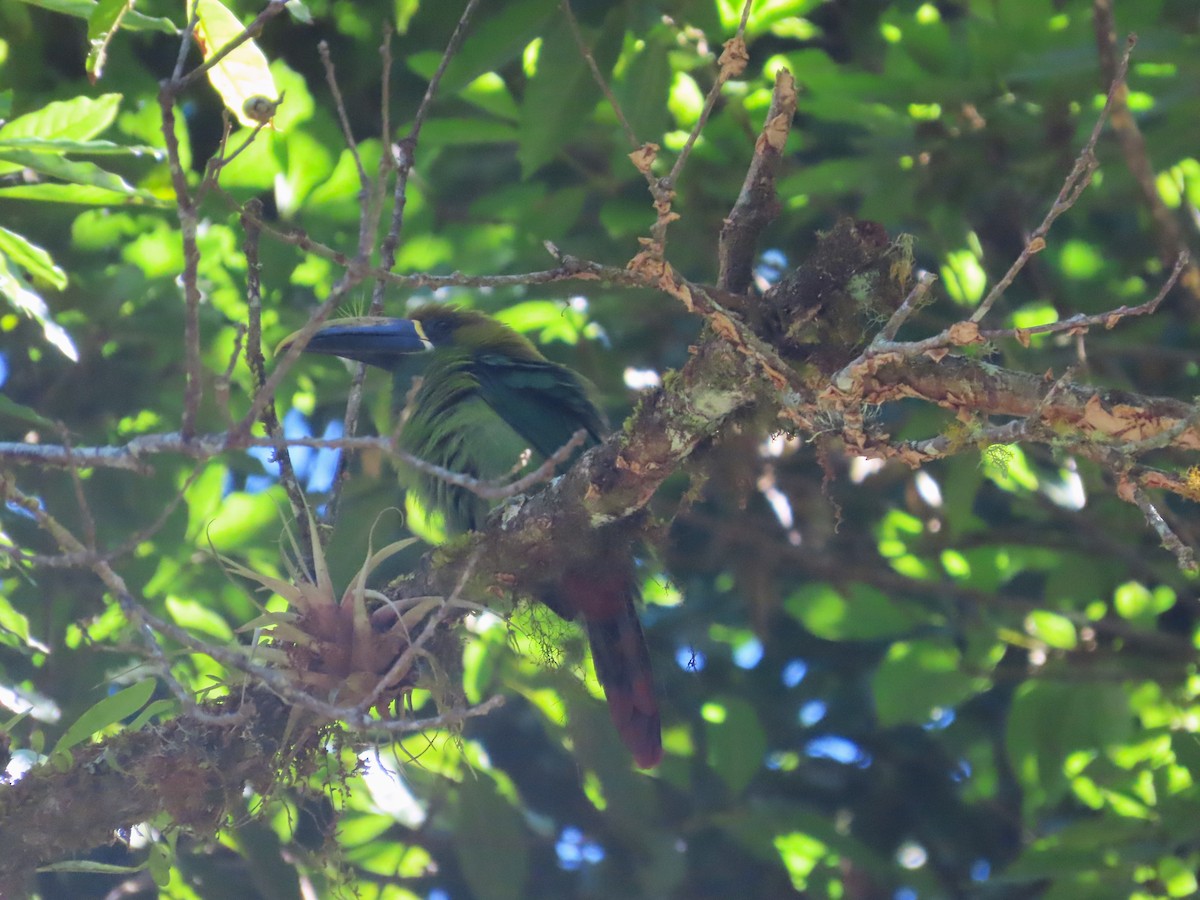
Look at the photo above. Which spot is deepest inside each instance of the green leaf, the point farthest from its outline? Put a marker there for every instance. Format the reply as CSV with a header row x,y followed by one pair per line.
x,y
84,9
107,712
490,840
162,708
643,92
197,617
103,21
69,145
78,194
36,261
916,679
241,517
242,75
159,863
93,868
496,41
13,622
465,132
863,614
80,119
74,171
20,293
14,410
1057,631
562,92
736,742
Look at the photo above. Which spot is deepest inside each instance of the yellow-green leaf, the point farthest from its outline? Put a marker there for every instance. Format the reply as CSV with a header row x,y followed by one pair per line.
x,y
242,75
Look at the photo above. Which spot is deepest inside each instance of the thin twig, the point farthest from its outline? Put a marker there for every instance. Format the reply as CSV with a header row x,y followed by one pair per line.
x,y
911,303
400,156
1184,554
598,77
1074,185
185,43
254,358
343,118
178,82
85,509
188,225
1167,231
732,63
1080,323
68,543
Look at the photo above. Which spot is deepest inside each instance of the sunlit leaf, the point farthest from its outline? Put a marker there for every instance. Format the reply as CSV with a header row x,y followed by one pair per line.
x,y
18,291
241,75
79,119
77,172
84,9
562,92
109,711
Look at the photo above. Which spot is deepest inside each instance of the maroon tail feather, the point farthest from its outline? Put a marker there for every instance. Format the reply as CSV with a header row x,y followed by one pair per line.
x,y
622,659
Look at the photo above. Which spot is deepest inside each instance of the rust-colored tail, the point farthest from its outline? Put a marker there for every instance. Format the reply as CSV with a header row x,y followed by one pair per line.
x,y
605,602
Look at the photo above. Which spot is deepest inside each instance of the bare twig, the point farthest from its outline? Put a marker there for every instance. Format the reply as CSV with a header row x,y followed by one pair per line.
x,y
732,63
1079,323
1075,184
85,509
185,43
223,381
68,543
1184,555
598,77
1167,230
911,303
343,118
186,210
254,358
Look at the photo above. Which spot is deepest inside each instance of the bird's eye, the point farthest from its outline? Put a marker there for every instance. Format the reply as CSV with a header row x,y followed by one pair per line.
x,y
437,330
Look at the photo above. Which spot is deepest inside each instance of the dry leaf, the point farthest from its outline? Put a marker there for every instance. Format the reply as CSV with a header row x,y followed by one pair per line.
x,y
963,333
643,157
733,58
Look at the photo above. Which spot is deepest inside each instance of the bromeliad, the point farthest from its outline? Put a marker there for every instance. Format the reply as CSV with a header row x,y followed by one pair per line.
x,y
486,396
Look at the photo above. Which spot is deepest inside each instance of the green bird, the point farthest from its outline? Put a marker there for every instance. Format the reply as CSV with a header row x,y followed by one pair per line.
x,y
486,397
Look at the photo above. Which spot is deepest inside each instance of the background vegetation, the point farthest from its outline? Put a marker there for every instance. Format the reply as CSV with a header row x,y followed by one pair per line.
x,y
923,616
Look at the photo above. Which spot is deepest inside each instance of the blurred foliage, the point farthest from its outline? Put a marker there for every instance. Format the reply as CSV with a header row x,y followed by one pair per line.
x,y
974,680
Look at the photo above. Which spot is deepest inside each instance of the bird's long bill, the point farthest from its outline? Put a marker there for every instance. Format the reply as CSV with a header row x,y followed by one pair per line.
x,y
370,339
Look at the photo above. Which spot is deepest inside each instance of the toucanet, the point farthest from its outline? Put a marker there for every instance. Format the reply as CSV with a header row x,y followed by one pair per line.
x,y
485,397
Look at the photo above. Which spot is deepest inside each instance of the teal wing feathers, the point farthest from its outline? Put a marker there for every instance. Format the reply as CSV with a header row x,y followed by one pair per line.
x,y
543,402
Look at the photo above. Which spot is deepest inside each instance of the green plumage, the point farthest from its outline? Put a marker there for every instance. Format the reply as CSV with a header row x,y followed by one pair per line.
x,y
486,395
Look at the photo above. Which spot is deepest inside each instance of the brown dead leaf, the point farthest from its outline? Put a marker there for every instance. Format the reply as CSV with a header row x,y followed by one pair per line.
x,y
963,333
1126,489
643,157
733,58
937,354
774,136
1037,245
1022,335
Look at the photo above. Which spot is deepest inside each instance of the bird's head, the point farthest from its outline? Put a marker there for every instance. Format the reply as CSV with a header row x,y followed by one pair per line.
x,y
387,343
